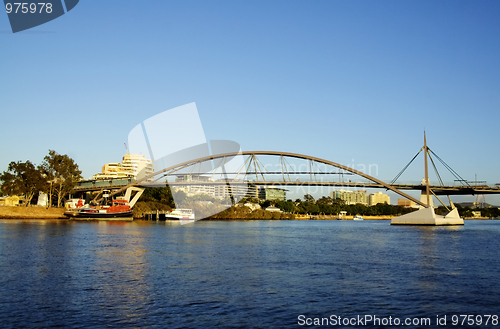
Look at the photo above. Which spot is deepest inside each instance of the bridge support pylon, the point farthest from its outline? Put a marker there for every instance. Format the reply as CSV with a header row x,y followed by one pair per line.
x,y
423,198
427,215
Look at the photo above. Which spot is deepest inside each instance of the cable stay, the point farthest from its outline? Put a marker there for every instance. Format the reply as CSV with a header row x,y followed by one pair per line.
x,y
454,173
440,182
402,171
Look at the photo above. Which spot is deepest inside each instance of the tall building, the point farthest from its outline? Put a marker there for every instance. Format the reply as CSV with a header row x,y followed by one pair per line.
x,y
131,166
379,197
406,203
350,197
135,163
272,193
237,191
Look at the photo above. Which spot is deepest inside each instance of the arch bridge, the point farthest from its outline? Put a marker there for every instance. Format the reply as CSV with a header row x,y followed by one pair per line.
x,y
273,168
262,168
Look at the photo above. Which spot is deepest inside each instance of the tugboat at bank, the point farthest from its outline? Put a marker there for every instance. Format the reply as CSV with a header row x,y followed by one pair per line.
x,y
120,209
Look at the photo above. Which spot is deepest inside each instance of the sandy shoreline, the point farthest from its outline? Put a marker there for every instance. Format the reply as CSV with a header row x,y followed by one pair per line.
x,y
7,212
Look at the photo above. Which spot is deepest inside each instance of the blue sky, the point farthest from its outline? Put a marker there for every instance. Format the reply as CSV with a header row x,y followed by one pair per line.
x,y
354,82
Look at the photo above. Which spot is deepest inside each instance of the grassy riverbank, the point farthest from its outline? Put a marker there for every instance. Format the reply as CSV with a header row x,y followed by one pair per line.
x,y
7,212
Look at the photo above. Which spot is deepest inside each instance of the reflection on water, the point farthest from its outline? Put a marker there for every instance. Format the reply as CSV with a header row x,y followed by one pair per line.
x,y
241,274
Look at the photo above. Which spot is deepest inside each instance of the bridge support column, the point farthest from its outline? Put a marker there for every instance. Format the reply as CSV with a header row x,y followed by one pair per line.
x,y
423,198
137,195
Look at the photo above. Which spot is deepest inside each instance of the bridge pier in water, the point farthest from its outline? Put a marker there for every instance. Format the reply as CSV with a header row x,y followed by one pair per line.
x,y
427,215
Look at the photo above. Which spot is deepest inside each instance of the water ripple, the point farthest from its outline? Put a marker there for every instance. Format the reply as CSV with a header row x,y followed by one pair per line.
x,y
241,274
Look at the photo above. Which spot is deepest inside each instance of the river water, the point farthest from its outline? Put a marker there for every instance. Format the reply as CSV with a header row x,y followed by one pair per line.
x,y
244,274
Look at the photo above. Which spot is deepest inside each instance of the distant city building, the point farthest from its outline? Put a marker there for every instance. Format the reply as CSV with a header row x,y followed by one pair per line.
x,y
136,163
199,184
130,167
379,197
237,191
272,193
406,203
112,170
350,197
201,188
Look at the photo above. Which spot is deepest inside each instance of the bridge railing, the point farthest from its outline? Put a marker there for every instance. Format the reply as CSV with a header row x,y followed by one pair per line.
x,y
103,183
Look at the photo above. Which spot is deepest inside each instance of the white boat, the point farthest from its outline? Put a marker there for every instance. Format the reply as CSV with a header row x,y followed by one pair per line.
x,y
357,217
183,216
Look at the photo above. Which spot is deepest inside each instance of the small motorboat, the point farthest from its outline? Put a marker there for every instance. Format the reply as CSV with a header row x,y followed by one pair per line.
x,y
183,216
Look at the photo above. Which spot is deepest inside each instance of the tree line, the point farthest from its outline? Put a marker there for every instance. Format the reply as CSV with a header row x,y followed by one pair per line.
x,y
329,206
57,175
490,212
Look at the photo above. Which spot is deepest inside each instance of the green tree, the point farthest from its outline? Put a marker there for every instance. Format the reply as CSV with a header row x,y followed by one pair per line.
x,y
309,198
180,197
200,197
226,200
325,200
286,206
339,201
311,208
249,199
62,173
22,178
158,194
266,203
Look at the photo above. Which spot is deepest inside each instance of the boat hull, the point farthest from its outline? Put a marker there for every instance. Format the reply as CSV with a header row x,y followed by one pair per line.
x,y
82,215
176,218
178,221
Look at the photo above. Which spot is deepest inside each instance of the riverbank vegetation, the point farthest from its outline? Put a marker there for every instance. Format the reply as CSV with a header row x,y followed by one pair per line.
x,y
467,212
328,206
243,212
57,176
